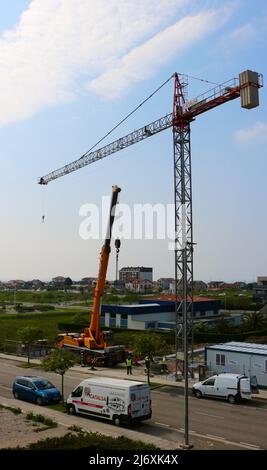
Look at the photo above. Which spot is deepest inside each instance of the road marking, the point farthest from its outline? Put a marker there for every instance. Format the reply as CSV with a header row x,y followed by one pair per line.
x,y
207,414
162,424
250,445
216,437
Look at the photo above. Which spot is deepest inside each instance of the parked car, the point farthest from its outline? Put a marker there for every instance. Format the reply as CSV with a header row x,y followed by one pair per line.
x,y
231,387
36,389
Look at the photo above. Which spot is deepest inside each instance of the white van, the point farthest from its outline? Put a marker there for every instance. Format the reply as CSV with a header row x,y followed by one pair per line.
x,y
121,401
232,387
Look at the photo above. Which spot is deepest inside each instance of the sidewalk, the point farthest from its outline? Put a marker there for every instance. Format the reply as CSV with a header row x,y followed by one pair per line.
x,y
119,372
100,427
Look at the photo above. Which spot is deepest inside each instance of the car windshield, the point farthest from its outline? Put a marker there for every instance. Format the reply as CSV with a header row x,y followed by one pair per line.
x,y
43,384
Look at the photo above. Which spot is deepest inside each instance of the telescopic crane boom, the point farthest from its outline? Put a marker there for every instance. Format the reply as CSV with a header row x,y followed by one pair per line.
x,y
94,337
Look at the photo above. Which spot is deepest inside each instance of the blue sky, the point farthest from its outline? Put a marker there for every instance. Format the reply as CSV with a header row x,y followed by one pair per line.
x,y
70,69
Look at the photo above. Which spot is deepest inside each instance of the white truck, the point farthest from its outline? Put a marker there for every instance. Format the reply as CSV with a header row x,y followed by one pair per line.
x,y
118,400
231,387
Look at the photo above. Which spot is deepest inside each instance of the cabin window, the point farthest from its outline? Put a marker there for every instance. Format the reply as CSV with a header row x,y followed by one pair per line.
x,y
220,359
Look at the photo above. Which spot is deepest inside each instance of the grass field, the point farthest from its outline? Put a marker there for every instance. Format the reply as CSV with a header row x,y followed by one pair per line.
x,y
38,296
47,322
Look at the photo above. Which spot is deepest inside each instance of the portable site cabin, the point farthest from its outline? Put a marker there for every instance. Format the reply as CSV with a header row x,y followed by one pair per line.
x,y
241,358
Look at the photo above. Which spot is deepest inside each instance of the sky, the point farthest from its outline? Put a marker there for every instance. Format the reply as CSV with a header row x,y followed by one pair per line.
x,y
70,70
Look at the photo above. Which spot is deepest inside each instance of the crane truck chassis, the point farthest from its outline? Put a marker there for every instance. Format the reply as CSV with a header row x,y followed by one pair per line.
x,y
93,344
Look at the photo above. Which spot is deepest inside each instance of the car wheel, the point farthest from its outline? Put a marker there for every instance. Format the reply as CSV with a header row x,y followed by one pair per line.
x,y
16,395
116,420
39,401
198,394
231,399
71,410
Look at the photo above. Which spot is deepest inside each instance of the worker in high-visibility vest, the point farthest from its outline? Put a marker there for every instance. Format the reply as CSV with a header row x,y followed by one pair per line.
x,y
129,363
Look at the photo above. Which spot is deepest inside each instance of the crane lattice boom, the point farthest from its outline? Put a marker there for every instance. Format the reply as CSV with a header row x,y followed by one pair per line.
x,y
223,93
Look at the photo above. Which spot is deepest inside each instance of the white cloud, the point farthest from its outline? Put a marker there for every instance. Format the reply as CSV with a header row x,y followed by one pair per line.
x,y
142,62
59,45
256,132
243,33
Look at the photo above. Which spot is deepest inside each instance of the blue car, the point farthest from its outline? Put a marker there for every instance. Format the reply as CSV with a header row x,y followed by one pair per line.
x,y
36,389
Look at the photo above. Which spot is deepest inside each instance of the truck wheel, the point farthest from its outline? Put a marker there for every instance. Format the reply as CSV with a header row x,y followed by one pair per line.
x,y
16,395
39,401
116,420
71,410
231,399
198,394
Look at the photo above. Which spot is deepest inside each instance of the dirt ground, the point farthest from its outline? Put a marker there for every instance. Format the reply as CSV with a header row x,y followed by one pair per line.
x,y
16,431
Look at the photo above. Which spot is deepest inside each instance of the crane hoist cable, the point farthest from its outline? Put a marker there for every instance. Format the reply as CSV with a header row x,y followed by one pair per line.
x,y
128,115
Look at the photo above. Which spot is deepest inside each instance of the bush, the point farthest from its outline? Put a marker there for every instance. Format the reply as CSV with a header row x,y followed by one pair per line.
x,y
43,308
15,410
90,441
41,419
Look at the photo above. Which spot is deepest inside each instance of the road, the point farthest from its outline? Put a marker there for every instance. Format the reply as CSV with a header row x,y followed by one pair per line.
x,y
235,426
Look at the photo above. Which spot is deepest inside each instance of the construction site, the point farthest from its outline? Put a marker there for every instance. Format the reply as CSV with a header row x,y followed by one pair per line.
x,y
133,293
185,111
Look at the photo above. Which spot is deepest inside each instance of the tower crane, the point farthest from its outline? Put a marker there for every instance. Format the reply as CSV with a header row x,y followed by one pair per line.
x,y
184,112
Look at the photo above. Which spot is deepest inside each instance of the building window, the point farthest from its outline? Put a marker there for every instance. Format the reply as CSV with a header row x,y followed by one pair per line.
x,y
113,315
124,316
265,366
220,359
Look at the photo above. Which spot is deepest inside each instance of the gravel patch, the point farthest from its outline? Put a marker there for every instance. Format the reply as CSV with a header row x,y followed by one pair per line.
x,y
16,431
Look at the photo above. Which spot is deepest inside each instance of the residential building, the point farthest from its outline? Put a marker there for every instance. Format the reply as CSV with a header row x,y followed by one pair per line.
x,y
140,286
215,284
165,282
129,274
88,281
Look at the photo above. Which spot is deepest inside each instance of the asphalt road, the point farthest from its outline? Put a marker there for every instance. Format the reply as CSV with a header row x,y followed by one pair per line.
x,y
234,426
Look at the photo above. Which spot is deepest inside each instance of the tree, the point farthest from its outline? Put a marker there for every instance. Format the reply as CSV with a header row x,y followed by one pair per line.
x,y
67,283
150,343
253,321
223,325
29,335
59,362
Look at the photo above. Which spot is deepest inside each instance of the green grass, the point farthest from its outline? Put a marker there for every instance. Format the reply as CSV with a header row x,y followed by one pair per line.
x,y
47,322
90,441
38,296
58,407
154,385
25,365
75,428
16,410
41,419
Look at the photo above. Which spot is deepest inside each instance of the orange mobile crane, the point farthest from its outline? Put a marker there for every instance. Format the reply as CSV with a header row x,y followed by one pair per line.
x,y
94,342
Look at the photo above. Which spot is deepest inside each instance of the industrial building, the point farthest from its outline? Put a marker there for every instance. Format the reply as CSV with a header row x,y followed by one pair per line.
x,y
242,358
155,313
130,274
